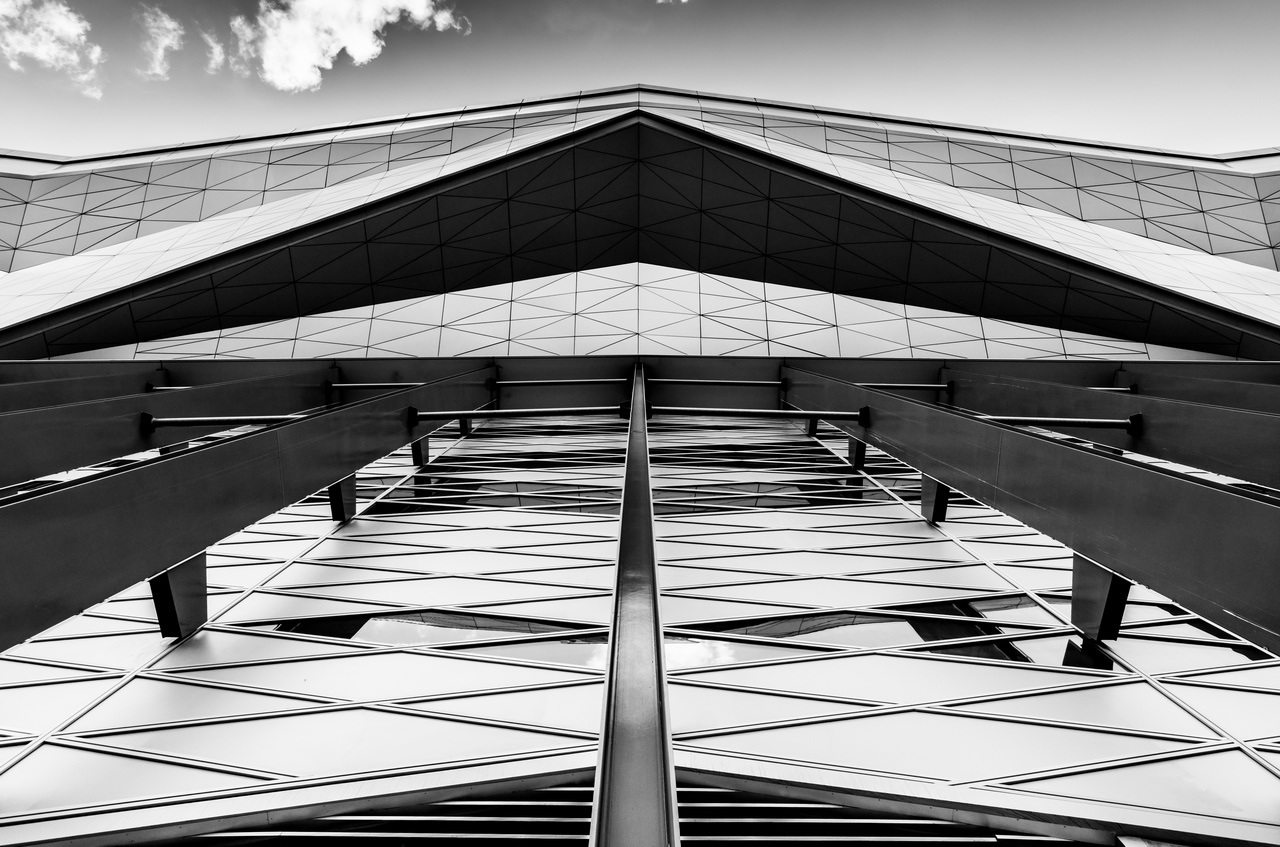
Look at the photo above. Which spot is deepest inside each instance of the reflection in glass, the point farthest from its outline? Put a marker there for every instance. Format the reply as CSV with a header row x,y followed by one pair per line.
x,y
1018,608
588,651
1041,651
683,652
858,630
414,628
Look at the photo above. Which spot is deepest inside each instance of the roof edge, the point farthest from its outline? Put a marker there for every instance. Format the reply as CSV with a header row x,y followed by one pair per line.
x,y
34,160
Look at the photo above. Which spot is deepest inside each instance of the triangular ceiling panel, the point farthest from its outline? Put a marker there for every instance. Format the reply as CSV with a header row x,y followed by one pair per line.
x,y
699,196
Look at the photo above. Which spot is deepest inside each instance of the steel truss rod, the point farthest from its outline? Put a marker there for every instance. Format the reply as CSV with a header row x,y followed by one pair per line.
x,y
759,383
635,781
908,386
507,383
1133,423
782,414
1190,433
151,424
1209,547
58,438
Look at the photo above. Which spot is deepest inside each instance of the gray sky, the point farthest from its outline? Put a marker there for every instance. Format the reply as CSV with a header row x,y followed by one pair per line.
x,y
1163,73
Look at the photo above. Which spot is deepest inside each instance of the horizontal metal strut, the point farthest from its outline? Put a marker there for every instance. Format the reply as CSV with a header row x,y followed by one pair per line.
x,y
142,519
762,383
908,386
781,414
1131,423
150,423
1207,546
504,383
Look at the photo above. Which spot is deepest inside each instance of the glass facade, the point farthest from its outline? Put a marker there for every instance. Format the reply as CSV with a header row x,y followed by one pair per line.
x,y
386,371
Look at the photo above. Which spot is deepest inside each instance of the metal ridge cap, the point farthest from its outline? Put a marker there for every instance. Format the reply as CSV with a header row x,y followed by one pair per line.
x,y
1221,159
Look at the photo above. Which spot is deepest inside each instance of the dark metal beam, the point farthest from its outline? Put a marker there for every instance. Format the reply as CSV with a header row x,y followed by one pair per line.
x,y
635,783
72,546
1227,391
342,499
1223,440
181,597
60,438
1205,545
934,498
37,394
1098,597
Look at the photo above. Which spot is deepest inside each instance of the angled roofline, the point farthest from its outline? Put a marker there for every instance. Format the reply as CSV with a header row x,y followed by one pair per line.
x,y
1228,160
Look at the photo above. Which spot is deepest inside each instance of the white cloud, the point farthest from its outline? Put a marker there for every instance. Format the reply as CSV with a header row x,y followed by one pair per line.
x,y
217,53
293,40
50,34
246,45
162,35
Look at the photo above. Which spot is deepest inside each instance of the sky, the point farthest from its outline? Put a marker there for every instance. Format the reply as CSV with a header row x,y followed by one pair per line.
x,y
80,77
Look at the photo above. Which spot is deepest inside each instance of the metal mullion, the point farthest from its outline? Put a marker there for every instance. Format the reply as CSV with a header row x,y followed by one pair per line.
x,y
635,780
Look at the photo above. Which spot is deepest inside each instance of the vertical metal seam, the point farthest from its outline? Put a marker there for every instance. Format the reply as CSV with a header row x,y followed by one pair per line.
x,y
635,797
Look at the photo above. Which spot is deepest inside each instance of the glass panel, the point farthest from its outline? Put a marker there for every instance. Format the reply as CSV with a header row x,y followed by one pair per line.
x,y
106,651
597,577
589,651
344,741
443,591
893,679
860,630
1244,714
150,701
411,629
965,576
680,652
40,708
695,708
12,671
1267,676
575,707
1036,579
262,606
311,573
212,647
382,676
1134,706
676,610
830,592
242,576
597,610
464,561
1018,608
1167,656
812,562
1226,784
56,777
953,748
674,576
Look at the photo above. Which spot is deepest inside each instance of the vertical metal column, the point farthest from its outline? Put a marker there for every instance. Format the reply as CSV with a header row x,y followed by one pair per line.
x,y
635,781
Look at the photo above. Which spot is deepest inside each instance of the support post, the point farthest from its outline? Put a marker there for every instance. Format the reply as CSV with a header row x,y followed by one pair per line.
x,y
1098,596
180,595
934,497
635,781
342,499
420,452
857,453
464,427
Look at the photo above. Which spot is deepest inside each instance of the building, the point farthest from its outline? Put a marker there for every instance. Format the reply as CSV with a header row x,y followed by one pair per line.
x,y
858,380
